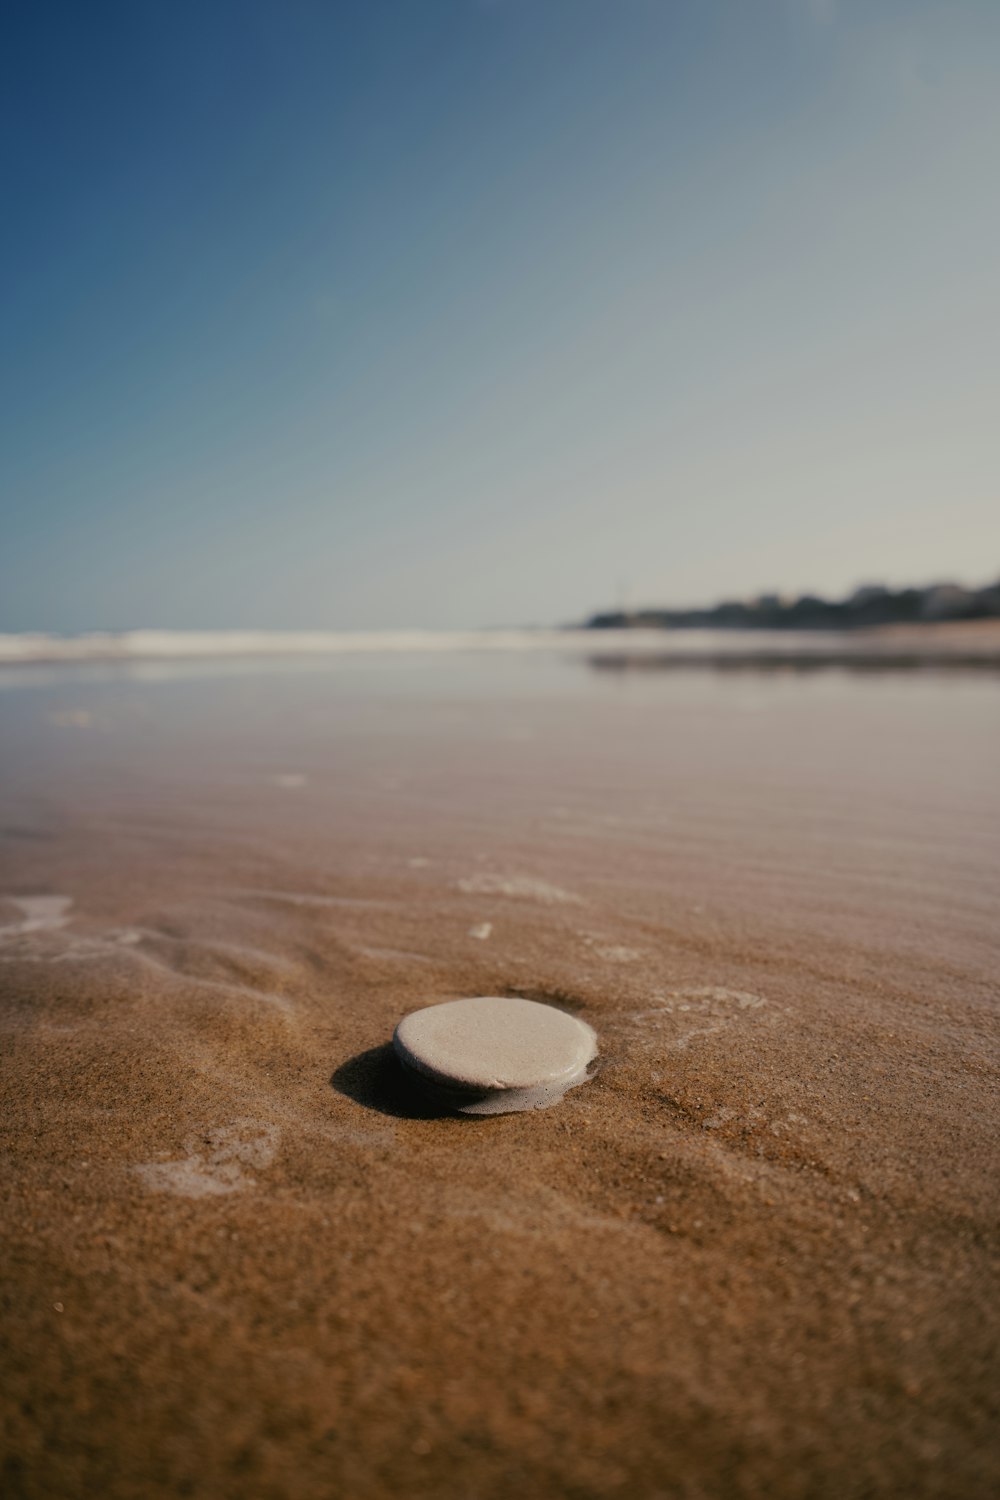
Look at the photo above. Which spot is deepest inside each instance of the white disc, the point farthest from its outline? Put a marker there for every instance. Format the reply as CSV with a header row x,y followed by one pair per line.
x,y
493,1054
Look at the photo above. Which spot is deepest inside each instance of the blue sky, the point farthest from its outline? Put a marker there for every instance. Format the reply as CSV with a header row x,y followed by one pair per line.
x,y
420,312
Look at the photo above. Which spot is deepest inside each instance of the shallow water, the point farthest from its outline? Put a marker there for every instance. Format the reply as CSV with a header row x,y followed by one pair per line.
x,y
836,798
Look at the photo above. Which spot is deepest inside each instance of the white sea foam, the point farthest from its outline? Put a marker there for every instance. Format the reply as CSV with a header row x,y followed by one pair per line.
x,y
216,1161
166,645
38,914
519,887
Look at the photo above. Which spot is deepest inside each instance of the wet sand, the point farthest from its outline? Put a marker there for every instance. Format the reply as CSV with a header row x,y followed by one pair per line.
x,y
756,1255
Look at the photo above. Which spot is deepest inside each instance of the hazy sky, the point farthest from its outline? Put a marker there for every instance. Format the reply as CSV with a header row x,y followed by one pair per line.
x,y
458,312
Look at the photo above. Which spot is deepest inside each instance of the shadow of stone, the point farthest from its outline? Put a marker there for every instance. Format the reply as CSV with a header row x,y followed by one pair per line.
x,y
377,1080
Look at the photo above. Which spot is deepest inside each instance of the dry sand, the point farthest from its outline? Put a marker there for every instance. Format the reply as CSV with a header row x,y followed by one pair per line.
x,y
756,1255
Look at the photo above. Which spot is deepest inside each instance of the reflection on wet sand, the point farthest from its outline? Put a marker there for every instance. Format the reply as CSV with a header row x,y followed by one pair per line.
x,y
791,661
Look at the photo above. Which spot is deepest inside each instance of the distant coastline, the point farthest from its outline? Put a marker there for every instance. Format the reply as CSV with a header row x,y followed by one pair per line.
x,y
867,607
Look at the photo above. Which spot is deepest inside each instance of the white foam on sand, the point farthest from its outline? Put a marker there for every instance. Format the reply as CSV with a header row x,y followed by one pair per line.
x,y
693,1013
215,1163
41,914
519,887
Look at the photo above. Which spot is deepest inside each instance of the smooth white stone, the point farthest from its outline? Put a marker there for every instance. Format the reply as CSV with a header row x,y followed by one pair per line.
x,y
494,1054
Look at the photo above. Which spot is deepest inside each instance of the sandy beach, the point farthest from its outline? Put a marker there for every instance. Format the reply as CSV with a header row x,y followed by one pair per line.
x,y
755,1255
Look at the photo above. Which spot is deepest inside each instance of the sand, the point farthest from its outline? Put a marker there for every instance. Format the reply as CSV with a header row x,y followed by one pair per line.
x,y
755,1255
